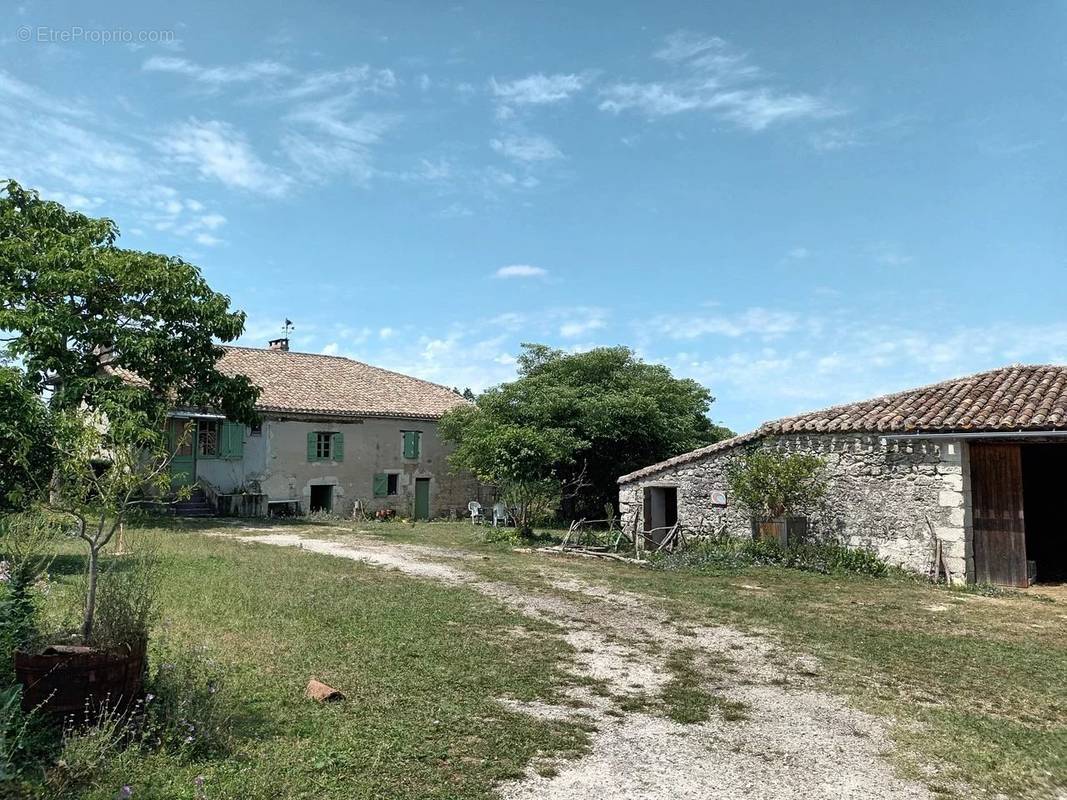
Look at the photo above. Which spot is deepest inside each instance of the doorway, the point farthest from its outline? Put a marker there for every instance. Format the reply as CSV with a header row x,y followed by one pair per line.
x,y
1020,536
180,435
1043,512
661,511
321,499
422,498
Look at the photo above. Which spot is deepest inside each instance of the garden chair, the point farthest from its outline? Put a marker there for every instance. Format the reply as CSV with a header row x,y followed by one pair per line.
x,y
501,514
476,512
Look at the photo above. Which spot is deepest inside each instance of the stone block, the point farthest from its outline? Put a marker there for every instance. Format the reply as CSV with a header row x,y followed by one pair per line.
x,y
952,483
947,499
956,516
950,534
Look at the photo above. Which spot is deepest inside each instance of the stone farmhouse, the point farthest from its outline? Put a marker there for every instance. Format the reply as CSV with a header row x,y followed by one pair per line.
x,y
334,432
976,464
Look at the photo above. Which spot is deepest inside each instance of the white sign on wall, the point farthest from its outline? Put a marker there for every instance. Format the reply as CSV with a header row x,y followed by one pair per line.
x,y
718,498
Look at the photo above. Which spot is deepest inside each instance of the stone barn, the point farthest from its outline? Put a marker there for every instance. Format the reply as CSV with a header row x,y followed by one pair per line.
x,y
976,463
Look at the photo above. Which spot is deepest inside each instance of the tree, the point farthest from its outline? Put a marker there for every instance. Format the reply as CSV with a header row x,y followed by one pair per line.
x,y
73,300
26,434
770,485
607,412
113,339
522,461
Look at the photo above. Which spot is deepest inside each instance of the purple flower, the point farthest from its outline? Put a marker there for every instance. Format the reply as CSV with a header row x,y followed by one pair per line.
x,y
125,793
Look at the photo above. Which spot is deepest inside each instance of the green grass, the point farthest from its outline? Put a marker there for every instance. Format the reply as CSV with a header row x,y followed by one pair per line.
x,y
420,664
972,686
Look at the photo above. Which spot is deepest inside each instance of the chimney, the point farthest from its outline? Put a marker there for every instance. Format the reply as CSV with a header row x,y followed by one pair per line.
x,y
279,344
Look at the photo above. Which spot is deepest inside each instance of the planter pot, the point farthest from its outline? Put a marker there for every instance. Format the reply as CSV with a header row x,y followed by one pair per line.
x,y
780,529
61,679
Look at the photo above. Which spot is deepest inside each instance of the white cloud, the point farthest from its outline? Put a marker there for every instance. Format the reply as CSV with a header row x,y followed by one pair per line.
x,y
207,239
219,151
578,327
526,148
386,333
713,77
520,271
763,322
331,349
799,253
217,76
538,89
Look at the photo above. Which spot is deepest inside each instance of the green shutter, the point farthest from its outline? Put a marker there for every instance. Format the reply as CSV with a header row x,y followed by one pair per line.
x,y
311,447
338,447
381,484
411,444
232,444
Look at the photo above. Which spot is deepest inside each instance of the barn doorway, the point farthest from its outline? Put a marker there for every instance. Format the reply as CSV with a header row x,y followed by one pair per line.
x,y
321,499
1043,512
1020,535
661,512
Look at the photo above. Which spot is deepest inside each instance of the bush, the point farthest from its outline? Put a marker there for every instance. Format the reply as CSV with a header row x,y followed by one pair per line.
x,y
186,707
728,555
126,600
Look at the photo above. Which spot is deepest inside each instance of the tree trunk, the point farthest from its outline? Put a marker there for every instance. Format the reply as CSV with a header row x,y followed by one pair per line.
x,y
90,594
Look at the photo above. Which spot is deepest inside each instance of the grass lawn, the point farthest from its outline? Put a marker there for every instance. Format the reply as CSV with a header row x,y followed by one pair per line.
x,y
974,684
975,687
420,664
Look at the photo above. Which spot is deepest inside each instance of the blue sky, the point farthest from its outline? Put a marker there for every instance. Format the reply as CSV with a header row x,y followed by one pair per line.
x,y
795,204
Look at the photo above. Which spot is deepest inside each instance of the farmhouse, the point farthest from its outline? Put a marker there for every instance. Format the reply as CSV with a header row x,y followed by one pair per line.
x,y
334,432
972,466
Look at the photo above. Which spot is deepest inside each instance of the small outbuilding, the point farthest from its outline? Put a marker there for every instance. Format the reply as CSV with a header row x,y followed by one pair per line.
x,y
974,468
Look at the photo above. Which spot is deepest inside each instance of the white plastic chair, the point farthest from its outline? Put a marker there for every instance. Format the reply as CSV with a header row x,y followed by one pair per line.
x,y
476,511
500,514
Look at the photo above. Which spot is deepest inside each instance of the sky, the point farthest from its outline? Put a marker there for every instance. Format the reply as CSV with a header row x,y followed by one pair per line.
x,y
796,204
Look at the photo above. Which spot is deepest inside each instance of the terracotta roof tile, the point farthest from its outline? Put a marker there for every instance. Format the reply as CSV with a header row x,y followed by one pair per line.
x,y
1015,398
306,383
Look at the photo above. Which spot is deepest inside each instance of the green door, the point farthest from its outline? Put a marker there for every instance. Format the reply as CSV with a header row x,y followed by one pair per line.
x,y
422,498
183,448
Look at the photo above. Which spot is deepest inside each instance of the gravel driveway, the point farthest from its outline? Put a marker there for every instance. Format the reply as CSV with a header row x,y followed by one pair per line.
x,y
791,741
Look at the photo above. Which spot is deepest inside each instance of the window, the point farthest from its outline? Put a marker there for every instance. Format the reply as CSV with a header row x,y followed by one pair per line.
x,y
256,429
323,446
207,438
412,443
386,484
326,446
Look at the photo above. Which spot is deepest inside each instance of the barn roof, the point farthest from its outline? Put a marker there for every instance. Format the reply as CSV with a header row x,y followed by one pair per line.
x,y
1009,399
307,383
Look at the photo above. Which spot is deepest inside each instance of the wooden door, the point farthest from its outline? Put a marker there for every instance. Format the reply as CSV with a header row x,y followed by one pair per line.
x,y
181,433
999,526
422,498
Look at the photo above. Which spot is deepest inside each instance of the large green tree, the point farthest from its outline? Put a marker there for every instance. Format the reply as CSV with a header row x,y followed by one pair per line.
x,y
71,298
608,412
26,435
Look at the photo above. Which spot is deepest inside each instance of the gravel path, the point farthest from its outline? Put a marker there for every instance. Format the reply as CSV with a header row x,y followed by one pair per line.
x,y
793,742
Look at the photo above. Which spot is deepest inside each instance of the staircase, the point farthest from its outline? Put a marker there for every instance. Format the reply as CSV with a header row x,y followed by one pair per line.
x,y
195,506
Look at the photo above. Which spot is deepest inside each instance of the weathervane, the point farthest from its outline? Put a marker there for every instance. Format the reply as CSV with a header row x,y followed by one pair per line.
x,y
288,326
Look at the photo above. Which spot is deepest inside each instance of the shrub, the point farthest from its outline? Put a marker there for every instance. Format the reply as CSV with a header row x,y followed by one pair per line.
x,y
727,555
769,484
126,600
186,707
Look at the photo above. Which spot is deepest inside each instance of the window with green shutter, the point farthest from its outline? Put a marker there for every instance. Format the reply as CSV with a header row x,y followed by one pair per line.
x,y
326,446
411,444
381,484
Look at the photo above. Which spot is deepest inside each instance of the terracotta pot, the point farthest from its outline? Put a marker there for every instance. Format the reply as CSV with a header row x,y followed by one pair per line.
x,y
61,679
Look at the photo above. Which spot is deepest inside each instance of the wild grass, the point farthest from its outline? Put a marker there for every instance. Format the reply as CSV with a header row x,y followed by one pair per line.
x,y
420,665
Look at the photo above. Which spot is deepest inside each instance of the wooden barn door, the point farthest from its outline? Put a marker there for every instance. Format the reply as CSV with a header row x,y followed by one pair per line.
x,y
999,527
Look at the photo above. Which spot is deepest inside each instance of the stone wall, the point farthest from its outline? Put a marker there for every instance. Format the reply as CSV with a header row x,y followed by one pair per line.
x,y
893,496
275,463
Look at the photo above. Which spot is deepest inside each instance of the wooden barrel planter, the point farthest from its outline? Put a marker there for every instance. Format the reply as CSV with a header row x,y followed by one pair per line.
x,y
61,679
